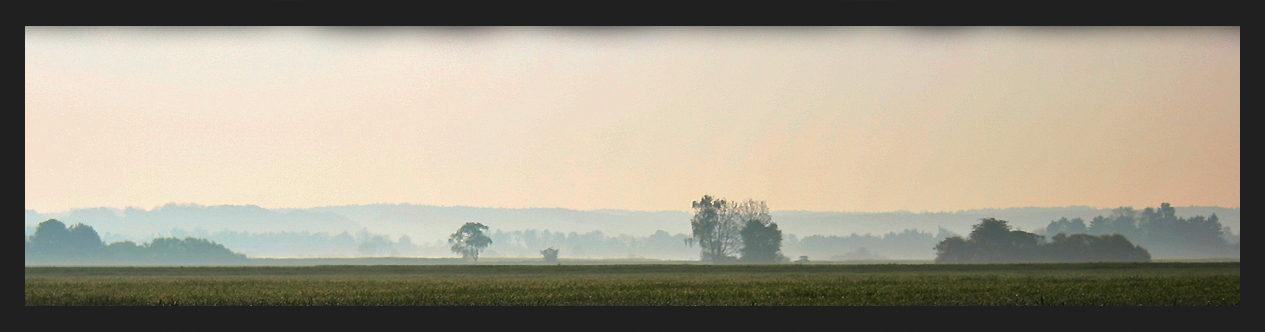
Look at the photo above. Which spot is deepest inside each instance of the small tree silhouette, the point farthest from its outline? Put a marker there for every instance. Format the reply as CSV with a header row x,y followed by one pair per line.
x,y
551,255
470,240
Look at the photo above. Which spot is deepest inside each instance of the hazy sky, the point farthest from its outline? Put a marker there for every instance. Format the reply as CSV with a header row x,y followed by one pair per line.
x,y
828,119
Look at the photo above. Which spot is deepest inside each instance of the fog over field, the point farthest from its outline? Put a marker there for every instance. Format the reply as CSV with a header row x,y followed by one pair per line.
x,y
431,226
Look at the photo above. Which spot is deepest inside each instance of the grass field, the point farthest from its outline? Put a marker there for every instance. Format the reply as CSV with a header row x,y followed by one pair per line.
x,y
1091,284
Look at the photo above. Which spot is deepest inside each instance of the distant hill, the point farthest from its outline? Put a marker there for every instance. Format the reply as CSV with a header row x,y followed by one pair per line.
x,y
138,224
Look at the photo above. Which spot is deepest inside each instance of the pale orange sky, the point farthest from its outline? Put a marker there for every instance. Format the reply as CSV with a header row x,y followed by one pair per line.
x,y
826,119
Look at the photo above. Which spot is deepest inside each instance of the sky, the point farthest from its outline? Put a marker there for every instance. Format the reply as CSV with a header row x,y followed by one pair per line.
x,y
825,119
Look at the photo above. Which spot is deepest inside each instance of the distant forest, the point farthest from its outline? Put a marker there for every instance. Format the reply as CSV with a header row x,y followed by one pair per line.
x,y
993,241
53,242
1159,230
346,231
1127,235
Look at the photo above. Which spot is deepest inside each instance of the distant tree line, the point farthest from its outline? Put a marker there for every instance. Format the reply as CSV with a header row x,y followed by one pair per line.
x,y
518,243
53,241
308,244
993,241
731,231
1158,229
593,244
909,244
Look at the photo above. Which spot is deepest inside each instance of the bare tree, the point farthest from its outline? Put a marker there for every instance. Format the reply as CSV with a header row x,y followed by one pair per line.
x,y
716,229
718,226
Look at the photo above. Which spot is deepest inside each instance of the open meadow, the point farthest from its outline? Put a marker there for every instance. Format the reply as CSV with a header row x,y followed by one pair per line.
x,y
1087,284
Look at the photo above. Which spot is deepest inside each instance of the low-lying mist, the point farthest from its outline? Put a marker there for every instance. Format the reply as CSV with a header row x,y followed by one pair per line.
x,y
403,230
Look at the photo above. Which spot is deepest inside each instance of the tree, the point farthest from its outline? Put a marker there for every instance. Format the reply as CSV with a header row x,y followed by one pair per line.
x,y
49,239
990,230
716,229
126,250
954,250
83,241
469,240
990,237
761,240
551,255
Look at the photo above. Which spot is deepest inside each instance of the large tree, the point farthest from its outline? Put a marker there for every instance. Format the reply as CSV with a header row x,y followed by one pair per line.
x,y
469,240
49,239
998,243
716,230
85,241
762,243
761,240
954,250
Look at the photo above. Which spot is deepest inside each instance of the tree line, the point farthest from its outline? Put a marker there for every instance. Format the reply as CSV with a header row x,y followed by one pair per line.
x,y
1158,229
907,244
595,244
53,241
993,241
523,243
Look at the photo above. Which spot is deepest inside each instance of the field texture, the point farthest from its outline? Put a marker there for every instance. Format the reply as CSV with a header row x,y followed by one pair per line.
x,y
1093,284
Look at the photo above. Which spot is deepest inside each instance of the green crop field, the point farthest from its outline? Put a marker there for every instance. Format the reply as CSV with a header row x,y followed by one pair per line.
x,y
1091,284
